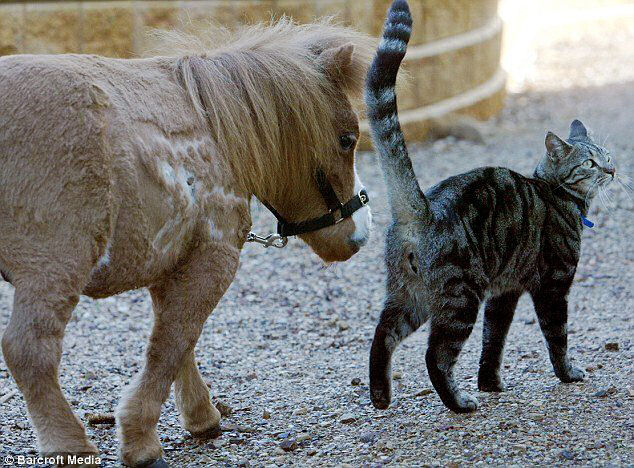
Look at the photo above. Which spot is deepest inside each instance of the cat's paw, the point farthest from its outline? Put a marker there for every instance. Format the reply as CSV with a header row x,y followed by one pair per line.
x,y
381,397
574,374
464,403
490,383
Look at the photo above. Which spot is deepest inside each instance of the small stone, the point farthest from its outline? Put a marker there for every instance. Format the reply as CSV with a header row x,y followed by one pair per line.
x,y
245,429
368,437
304,436
225,410
605,392
229,427
343,325
266,414
355,382
279,451
612,346
425,392
567,454
101,418
348,418
385,445
288,445
251,376
244,463
300,411
219,443
311,452
397,375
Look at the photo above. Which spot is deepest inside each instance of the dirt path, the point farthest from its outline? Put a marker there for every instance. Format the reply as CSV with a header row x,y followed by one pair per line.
x,y
291,335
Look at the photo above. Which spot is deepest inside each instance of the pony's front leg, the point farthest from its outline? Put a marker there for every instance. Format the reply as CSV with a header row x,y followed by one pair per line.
x,y
182,302
198,415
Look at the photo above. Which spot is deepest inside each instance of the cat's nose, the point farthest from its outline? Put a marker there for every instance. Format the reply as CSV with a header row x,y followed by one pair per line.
x,y
610,170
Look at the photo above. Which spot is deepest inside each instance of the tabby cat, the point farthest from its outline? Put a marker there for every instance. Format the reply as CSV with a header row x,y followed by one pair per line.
x,y
489,234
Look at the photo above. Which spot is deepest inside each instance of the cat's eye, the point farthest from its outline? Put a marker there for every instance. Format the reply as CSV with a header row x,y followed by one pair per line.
x,y
589,163
347,141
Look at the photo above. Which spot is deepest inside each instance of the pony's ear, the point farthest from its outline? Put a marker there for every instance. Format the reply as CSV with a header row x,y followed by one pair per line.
x,y
556,147
577,131
337,61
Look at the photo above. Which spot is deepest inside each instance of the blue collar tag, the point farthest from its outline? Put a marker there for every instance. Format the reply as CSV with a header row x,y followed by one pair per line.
x,y
587,222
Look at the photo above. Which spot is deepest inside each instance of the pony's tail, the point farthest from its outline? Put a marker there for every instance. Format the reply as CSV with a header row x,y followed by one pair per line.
x,y
407,201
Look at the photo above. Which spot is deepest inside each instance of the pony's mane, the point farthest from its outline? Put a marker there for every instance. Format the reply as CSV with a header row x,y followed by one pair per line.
x,y
268,102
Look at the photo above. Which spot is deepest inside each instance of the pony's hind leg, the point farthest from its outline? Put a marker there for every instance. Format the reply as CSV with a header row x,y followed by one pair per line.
x,y
395,324
498,315
32,348
450,328
198,414
182,302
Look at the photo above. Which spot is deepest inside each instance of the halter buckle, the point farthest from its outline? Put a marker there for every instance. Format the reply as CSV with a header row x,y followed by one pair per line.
x,y
272,240
363,197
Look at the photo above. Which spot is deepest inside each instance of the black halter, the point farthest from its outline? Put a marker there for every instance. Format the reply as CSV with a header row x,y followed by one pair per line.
x,y
337,212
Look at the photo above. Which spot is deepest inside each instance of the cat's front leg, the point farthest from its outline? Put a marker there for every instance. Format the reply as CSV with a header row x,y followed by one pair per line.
x,y
551,306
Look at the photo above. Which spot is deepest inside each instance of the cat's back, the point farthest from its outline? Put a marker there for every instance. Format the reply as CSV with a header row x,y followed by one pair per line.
x,y
486,221
477,193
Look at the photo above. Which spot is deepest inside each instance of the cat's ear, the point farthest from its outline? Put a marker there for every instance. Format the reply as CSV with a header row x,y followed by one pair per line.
x,y
411,259
556,147
577,131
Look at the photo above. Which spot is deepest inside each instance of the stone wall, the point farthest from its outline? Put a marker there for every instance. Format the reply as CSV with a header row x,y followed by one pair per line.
x,y
453,59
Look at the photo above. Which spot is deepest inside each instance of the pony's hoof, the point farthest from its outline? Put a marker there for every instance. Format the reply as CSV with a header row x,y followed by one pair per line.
x,y
158,463
212,433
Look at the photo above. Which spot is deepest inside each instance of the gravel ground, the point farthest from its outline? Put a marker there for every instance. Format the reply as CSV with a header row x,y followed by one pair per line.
x,y
287,348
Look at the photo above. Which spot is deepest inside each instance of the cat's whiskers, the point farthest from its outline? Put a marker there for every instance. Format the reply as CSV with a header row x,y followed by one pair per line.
x,y
626,187
605,199
625,180
596,182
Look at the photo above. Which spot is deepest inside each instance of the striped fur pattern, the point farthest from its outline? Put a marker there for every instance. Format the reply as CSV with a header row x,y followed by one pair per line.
x,y
488,235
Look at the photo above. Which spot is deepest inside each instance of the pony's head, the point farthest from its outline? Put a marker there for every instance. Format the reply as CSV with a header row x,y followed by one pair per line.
x,y
279,103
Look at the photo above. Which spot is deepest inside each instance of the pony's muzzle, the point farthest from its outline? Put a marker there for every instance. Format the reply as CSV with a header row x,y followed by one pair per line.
x,y
362,223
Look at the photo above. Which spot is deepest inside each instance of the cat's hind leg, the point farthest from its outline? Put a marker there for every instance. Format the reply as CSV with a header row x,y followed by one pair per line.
x,y
396,324
498,315
451,325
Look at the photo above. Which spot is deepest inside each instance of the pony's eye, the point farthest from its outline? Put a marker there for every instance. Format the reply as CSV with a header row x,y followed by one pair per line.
x,y
347,142
589,163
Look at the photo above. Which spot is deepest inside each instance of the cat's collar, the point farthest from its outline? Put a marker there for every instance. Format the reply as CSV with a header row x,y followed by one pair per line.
x,y
585,221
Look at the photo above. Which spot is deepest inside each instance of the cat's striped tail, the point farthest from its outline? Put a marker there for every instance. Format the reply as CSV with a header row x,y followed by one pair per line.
x,y
406,199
